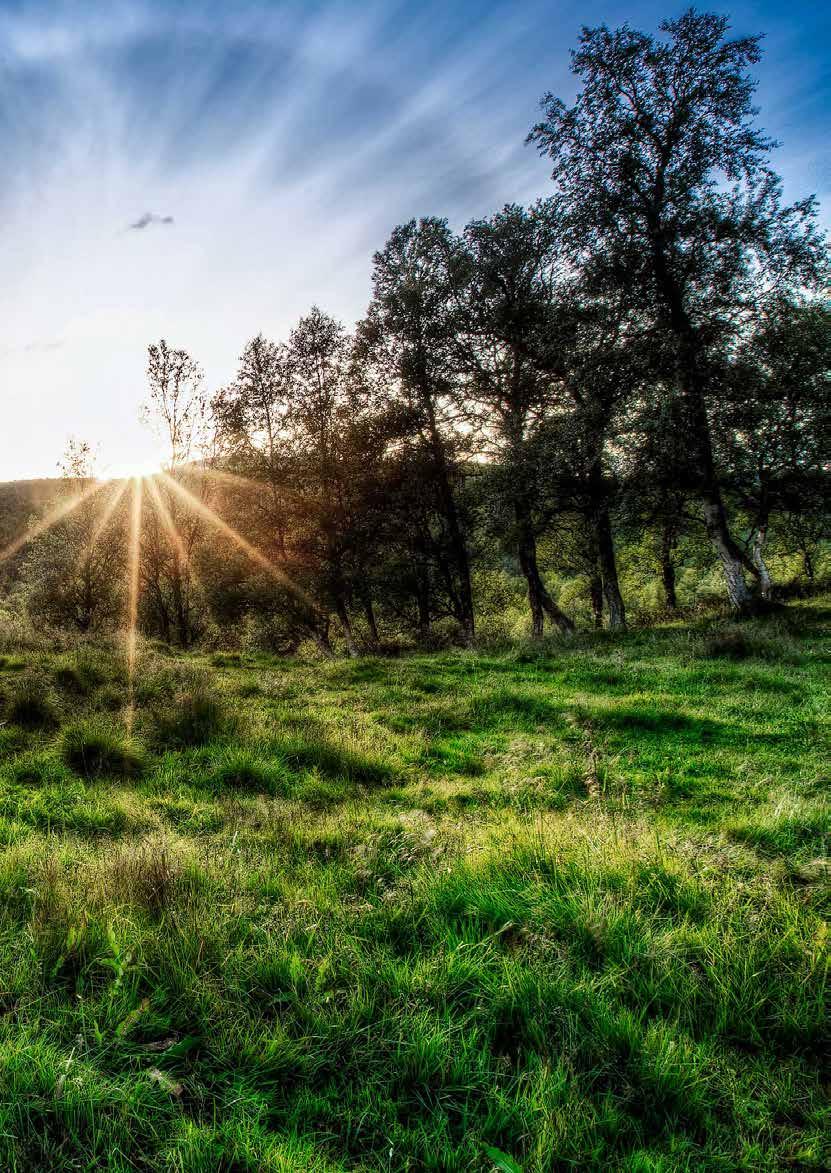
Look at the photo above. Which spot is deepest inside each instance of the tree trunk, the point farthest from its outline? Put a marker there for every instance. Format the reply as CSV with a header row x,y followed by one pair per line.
x,y
765,582
692,384
596,598
320,635
732,567
608,569
458,545
668,567
346,623
423,604
527,551
808,564
539,599
369,615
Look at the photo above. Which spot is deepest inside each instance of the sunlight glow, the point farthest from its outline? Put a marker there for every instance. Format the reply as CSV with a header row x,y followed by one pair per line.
x,y
138,486
253,553
167,521
139,467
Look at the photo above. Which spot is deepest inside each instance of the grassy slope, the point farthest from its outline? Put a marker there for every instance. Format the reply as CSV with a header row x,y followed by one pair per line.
x,y
566,907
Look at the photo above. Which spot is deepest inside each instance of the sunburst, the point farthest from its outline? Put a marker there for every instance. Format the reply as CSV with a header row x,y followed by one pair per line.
x,y
143,486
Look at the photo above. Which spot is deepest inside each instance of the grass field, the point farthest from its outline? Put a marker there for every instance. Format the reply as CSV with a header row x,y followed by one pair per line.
x,y
539,909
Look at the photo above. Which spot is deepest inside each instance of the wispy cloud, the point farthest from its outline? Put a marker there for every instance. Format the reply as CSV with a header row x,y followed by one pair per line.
x,y
147,219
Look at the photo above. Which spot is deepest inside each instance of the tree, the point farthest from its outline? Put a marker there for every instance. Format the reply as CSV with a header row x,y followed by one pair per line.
x,y
171,533
666,193
506,276
773,424
408,336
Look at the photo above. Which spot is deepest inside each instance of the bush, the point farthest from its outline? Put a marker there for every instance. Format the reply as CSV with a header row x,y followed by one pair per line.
x,y
94,751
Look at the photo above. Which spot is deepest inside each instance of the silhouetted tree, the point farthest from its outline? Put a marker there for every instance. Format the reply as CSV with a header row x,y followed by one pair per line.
x,y
665,192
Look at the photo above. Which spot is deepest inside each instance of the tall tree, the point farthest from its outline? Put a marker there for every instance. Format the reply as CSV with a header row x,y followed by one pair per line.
x,y
504,282
408,333
666,192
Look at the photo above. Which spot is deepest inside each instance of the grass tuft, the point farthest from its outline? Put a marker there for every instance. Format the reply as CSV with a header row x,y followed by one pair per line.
x,y
95,751
30,705
195,716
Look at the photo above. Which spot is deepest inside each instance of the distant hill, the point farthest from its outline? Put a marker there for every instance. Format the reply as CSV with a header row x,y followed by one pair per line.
x,y
18,501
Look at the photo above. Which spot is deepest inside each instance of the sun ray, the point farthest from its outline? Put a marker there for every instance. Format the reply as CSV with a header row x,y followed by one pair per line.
x,y
59,513
106,517
133,594
169,524
219,523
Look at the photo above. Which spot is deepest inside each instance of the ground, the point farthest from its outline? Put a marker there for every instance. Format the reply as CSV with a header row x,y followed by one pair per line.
x,y
537,909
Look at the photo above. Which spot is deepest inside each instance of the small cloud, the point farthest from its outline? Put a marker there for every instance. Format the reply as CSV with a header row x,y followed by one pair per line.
x,y
149,218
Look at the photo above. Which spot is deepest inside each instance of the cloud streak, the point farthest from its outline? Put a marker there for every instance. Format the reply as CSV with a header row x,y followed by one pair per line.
x,y
146,220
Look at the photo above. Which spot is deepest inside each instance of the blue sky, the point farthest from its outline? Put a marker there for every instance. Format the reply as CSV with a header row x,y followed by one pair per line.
x,y
206,171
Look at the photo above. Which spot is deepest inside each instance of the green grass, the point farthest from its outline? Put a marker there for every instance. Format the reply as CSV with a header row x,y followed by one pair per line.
x,y
548,908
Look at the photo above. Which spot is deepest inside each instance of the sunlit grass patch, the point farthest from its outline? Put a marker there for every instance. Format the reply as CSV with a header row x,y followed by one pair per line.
x,y
196,714
241,768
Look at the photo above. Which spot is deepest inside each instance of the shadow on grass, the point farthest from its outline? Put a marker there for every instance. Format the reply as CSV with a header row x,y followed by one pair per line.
x,y
330,761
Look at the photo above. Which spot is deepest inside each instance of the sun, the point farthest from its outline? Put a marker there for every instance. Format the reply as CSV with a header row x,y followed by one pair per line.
x,y
138,469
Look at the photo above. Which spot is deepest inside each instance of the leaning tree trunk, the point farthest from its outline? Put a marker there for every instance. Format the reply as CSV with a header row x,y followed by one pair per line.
x,y
732,564
539,599
369,615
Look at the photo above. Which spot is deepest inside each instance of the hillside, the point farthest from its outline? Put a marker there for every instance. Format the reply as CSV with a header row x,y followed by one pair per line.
x,y
540,909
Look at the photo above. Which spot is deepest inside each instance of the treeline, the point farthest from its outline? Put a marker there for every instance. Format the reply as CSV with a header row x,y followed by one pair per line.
x,y
639,361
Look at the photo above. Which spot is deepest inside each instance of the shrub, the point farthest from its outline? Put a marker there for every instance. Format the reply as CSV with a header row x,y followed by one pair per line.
x,y
94,751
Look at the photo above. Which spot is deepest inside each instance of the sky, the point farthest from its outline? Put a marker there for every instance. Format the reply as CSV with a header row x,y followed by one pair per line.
x,y
205,171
